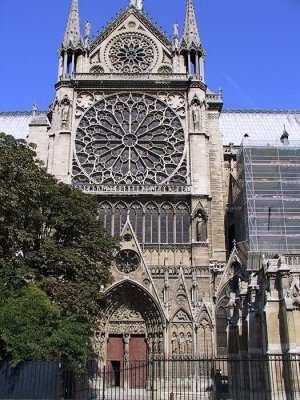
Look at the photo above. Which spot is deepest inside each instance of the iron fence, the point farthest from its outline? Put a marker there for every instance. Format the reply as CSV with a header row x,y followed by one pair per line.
x,y
221,378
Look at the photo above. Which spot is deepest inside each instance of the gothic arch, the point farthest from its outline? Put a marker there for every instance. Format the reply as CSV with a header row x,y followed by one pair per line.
x,y
135,296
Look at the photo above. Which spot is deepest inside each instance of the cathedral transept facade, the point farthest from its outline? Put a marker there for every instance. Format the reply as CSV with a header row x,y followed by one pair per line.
x,y
135,124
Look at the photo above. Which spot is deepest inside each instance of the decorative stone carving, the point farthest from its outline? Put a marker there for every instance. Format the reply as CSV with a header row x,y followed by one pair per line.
x,y
86,100
165,69
181,316
125,320
127,261
176,100
131,53
129,139
181,298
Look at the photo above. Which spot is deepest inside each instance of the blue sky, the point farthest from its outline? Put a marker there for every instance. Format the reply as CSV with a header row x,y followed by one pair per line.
x,y
253,47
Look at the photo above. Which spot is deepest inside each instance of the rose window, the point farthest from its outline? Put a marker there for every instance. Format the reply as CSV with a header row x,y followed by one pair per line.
x,y
127,261
132,53
130,139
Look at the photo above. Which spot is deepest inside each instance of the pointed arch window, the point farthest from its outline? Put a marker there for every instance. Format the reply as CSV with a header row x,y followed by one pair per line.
x,y
105,214
182,223
151,223
120,216
136,220
167,224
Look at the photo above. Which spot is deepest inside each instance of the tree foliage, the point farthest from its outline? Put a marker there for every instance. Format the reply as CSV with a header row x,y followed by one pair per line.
x,y
51,239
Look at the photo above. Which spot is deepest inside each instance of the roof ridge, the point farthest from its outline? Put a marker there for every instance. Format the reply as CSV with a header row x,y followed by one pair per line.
x,y
260,111
27,113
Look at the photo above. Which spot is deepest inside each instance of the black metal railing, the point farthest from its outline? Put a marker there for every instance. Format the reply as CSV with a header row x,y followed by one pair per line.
x,y
270,377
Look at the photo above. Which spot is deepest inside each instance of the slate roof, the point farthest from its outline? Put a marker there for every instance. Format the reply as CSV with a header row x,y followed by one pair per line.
x,y
259,125
15,123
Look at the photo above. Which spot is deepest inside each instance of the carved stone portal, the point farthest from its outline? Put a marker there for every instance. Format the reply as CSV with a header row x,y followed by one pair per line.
x,y
125,320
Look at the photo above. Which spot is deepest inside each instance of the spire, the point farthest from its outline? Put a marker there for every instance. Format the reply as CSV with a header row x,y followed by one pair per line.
x,y
138,4
72,33
191,36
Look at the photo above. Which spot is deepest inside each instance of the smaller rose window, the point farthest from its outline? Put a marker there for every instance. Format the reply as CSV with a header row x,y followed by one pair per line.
x,y
132,52
127,261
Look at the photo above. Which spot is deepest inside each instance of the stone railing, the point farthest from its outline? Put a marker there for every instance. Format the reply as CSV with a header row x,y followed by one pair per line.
x,y
201,271
124,76
215,96
292,260
140,189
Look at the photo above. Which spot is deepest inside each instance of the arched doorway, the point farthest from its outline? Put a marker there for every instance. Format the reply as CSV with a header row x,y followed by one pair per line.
x,y
133,333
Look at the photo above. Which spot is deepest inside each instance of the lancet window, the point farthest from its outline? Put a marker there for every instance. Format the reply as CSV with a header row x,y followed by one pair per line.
x,y
153,222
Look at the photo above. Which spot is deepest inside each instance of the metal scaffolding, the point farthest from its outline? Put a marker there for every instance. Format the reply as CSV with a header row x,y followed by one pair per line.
x,y
267,196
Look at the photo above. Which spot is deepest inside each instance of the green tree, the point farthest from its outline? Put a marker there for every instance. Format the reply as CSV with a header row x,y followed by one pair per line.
x,y
50,237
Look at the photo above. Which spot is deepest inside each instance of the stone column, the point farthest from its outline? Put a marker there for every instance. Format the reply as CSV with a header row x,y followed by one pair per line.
x,y
126,366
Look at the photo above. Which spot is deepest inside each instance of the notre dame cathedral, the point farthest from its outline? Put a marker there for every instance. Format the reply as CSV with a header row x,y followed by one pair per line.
x,y
209,248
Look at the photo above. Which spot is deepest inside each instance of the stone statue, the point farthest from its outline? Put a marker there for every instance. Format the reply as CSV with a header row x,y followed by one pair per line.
x,y
201,227
175,30
189,344
65,111
181,343
174,344
87,29
34,109
126,339
161,344
196,116
155,345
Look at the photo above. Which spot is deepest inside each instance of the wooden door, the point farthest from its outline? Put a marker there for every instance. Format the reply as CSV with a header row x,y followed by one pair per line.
x,y
138,361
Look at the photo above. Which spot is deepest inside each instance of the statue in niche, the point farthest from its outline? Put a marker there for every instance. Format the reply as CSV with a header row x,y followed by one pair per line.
x,y
189,344
196,115
65,111
155,345
161,344
174,344
181,343
201,227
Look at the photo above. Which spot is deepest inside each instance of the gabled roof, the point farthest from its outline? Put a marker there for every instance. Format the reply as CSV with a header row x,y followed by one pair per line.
x,y
141,16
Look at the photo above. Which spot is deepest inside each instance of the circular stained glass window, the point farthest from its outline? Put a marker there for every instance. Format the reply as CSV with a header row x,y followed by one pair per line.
x,y
131,53
130,139
127,261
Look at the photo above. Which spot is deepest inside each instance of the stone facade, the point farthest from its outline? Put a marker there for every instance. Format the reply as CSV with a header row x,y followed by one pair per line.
x,y
134,124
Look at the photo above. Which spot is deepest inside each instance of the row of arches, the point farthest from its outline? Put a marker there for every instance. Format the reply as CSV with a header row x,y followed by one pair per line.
x,y
152,222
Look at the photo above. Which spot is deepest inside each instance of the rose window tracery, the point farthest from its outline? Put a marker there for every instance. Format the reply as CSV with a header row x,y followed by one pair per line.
x,y
127,261
131,53
130,139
